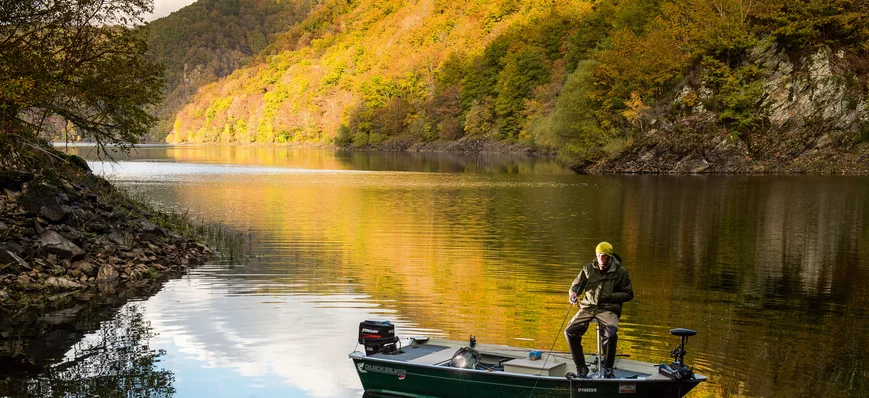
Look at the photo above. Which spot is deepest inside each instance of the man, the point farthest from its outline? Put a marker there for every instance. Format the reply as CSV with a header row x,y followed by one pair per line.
x,y
602,286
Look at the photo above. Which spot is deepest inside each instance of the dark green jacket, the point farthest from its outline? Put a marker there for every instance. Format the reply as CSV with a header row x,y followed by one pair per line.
x,y
605,290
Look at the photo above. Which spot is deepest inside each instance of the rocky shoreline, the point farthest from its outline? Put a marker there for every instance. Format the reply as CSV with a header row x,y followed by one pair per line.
x,y
69,231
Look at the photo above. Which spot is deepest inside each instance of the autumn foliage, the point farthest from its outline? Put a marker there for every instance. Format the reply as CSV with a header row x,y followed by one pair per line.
x,y
581,77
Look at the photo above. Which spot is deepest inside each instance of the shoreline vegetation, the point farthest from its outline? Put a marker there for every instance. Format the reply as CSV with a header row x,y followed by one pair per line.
x,y
669,86
654,155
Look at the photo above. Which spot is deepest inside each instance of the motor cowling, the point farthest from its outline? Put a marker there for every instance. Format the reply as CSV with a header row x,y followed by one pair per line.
x,y
377,337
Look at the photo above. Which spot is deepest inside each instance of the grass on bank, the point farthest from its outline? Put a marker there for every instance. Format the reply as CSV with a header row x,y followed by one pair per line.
x,y
230,245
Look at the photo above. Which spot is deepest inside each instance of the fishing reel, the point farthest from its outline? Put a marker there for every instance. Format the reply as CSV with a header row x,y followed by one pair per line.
x,y
677,370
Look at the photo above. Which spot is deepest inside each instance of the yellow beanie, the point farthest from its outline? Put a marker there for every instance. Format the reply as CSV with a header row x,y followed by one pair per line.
x,y
605,248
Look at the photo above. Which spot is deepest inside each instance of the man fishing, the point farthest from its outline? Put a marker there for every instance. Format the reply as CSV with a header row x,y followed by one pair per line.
x,y
601,287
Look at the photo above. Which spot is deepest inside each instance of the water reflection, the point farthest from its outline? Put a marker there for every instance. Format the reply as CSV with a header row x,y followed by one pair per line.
x,y
330,159
771,270
116,361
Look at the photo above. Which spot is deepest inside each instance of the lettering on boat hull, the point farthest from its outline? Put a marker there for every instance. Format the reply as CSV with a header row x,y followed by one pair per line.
x,y
365,368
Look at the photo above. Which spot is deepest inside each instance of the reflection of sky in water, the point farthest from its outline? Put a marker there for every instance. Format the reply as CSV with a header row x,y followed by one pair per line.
x,y
169,172
224,338
172,171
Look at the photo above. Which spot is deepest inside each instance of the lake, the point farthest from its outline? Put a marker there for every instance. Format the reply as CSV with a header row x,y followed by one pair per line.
x,y
773,271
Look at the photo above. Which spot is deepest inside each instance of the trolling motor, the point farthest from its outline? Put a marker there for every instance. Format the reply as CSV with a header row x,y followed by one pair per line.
x,y
677,370
378,337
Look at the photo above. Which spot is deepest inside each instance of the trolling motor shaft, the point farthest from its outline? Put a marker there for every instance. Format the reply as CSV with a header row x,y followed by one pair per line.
x,y
679,352
677,370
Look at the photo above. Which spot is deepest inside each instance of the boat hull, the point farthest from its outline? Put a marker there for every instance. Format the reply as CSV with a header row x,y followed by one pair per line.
x,y
398,378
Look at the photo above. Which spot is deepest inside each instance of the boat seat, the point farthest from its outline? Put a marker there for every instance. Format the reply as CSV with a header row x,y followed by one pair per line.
x,y
682,332
435,358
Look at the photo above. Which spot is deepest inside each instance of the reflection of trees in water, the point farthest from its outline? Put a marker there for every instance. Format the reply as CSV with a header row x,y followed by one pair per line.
x,y
116,361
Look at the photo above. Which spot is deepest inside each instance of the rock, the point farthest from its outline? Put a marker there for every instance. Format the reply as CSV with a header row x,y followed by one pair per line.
x,y
61,283
23,281
42,200
8,257
149,237
107,273
14,247
152,228
116,238
12,182
55,243
78,161
3,227
75,236
15,176
97,226
85,268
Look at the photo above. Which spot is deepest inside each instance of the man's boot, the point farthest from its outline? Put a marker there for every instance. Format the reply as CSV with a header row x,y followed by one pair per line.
x,y
574,333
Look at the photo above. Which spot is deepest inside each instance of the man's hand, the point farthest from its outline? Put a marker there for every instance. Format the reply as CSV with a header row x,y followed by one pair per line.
x,y
572,297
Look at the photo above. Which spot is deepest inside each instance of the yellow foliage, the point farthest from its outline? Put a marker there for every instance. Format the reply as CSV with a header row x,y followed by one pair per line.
x,y
302,91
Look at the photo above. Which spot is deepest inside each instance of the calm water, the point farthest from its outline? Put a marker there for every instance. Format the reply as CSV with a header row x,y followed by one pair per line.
x,y
772,271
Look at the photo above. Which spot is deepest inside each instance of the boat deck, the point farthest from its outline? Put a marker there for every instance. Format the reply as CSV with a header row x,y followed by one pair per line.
x,y
515,360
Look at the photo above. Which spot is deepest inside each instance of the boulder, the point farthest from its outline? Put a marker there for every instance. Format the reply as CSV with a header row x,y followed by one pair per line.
x,y
107,273
42,200
55,243
61,283
3,227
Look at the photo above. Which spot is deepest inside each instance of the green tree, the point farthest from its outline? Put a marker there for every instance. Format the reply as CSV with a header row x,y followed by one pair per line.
x,y
74,65
572,127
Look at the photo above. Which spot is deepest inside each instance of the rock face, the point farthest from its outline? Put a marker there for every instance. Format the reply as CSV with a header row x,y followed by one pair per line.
x,y
812,115
55,243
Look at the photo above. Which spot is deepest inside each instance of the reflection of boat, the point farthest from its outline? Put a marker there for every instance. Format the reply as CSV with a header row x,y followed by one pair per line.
x,y
443,368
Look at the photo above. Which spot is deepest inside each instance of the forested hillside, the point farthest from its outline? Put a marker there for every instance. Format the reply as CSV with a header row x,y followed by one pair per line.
x,y
209,39
685,85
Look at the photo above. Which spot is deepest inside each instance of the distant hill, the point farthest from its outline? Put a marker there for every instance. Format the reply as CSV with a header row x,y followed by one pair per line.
x,y
610,85
210,39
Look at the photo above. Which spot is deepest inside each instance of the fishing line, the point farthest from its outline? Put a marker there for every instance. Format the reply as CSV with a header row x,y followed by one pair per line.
x,y
550,352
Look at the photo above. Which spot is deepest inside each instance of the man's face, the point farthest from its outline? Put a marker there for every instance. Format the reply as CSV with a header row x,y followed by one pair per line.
x,y
603,260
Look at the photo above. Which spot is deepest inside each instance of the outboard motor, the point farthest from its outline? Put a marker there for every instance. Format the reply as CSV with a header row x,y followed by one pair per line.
x,y
677,370
378,337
